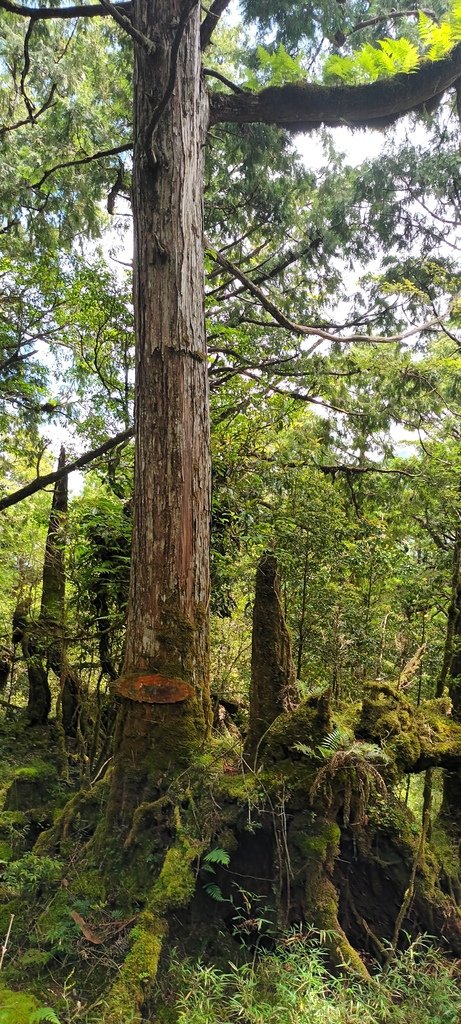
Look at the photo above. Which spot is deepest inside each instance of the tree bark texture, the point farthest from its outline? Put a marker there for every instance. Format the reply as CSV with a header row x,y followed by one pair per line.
x,y
272,669
167,629
451,676
39,697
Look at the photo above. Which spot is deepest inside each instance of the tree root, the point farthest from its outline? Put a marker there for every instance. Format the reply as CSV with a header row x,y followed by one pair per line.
x,y
89,800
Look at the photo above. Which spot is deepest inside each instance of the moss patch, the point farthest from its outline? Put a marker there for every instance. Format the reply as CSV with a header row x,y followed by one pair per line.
x,y
124,1004
307,724
175,885
16,1007
32,786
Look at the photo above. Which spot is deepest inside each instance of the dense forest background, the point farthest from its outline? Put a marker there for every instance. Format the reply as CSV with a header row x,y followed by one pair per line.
x,y
314,830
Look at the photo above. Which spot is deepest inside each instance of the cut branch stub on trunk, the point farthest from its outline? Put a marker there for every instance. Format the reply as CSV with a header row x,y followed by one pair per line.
x,y
272,668
152,689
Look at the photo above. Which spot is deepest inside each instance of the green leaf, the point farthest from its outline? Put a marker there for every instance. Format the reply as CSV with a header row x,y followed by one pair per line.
x,y
217,856
214,892
44,1015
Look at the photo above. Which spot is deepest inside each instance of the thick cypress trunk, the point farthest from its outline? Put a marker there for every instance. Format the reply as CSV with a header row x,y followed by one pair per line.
x,y
167,629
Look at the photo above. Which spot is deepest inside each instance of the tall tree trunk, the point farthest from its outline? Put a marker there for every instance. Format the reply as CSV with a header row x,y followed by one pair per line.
x,y
41,640
51,622
167,629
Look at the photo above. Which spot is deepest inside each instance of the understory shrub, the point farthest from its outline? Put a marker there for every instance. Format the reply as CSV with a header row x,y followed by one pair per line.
x,y
294,986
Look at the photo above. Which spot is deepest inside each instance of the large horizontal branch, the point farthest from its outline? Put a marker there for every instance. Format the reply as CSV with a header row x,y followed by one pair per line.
x,y
41,482
76,11
303,329
303,107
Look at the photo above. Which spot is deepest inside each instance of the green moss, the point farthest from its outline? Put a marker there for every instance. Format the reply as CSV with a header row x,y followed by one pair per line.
x,y
78,819
52,918
38,771
6,852
309,723
12,819
314,839
90,886
32,786
16,1007
315,846
405,749
175,885
240,787
14,829
125,1000
34,960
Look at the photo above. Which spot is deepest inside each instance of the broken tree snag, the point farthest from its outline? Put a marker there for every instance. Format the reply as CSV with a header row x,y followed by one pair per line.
x,y
152,689
272,668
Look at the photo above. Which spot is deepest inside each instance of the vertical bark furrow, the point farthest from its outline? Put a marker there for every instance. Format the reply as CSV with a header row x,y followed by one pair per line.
x,y
167,629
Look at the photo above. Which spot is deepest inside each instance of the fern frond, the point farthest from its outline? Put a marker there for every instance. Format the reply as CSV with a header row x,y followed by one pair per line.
x,y
338,739
303,748
217,856
44,1015
213,890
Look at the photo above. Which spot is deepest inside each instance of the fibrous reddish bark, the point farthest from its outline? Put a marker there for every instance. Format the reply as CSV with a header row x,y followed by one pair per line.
x,y
167,630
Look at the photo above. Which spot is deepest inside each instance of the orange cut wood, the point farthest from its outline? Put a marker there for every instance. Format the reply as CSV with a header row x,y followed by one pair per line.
x,y
152,689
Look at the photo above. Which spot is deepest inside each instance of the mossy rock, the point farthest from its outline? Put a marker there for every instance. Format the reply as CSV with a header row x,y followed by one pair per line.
x,y
16,1007
32,786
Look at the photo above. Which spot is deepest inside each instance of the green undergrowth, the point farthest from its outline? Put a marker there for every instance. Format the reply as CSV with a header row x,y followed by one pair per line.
x,y
293,986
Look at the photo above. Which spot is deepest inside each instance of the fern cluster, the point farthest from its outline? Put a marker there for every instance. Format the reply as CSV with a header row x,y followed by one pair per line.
x,y
390,57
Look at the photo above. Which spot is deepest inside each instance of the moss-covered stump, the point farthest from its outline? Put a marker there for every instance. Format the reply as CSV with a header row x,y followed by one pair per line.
x,y
287,851
32,786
